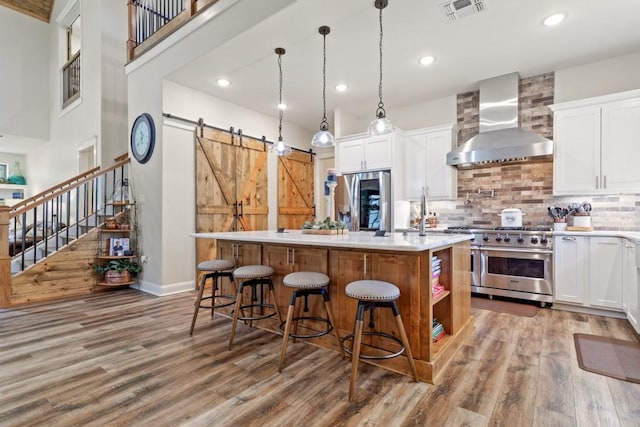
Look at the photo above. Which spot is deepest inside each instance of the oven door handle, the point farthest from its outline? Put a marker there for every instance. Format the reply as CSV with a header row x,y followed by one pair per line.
x,y
517,250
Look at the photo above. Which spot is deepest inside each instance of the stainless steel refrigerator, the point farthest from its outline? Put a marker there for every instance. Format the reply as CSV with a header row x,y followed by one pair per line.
x,y
365,200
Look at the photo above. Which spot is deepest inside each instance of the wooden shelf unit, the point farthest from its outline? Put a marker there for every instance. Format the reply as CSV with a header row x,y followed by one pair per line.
x,y
123,212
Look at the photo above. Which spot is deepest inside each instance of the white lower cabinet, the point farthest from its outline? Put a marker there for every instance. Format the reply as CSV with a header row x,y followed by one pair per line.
x,y
570,260
630,284
605,272
588,271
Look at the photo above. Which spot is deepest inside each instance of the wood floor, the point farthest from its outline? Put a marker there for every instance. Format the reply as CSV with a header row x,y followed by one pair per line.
x,y
126,358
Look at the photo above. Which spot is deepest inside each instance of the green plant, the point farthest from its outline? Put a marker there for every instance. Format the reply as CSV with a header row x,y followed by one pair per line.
x,y
119,265
325,224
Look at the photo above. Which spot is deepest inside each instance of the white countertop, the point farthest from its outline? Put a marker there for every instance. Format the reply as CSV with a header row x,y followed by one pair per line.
x,y
631,235
356,240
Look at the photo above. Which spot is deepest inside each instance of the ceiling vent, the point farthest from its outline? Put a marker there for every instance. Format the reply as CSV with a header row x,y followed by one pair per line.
x,y
456,9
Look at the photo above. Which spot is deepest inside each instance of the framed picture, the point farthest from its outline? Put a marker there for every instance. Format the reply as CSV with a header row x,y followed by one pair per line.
x,y
118,246
4,172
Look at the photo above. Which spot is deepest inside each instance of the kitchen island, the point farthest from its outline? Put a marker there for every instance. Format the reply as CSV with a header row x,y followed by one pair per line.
x,y
411,262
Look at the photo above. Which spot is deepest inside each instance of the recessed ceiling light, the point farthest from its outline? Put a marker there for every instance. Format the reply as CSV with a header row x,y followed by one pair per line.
x,y
282,106
554,19
427,60
341,87
223,82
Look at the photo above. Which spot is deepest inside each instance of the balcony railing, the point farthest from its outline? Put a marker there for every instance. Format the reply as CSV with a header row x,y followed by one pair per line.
x,y
71,80
152,20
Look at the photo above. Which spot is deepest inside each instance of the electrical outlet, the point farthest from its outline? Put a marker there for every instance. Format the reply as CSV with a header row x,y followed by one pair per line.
x,y
144,259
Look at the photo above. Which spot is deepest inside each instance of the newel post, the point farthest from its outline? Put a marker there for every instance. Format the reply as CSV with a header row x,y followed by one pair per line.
x,y
131,42
5,259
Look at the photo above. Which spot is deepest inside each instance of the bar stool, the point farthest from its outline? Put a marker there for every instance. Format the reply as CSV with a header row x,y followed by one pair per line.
x,y
305,283
253,276
215,269
372,294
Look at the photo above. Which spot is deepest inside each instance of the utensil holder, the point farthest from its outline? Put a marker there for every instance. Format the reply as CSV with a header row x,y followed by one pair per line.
x,y
559,226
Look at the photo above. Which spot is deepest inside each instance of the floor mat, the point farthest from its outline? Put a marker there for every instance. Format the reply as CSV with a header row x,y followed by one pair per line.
x,y
509,307
609,356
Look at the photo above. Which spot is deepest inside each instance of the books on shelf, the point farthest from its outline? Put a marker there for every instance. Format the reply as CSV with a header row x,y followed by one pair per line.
x,y
437,330
437,289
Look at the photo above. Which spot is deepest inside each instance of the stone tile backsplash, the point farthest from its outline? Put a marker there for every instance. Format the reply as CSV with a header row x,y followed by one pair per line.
x,y
484,192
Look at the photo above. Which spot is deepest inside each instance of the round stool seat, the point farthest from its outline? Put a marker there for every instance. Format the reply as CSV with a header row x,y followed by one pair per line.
x,y
305,280
216,265
252,272
372,290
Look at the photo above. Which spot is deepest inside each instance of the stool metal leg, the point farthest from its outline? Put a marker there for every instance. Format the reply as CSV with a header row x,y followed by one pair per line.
x,y
357,341
197,303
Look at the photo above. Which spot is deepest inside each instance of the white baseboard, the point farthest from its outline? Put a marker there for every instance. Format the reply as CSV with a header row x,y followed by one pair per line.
x,y
589,310
164,290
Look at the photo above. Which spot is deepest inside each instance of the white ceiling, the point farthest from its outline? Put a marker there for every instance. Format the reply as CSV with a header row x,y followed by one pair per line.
x,y
507,37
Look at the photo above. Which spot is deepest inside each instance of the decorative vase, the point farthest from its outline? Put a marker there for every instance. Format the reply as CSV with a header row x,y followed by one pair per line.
x,y
16,176
111,224
115,277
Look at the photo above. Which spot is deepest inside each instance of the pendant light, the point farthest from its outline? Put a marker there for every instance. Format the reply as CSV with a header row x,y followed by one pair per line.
x,y
280,148
324,138
380,125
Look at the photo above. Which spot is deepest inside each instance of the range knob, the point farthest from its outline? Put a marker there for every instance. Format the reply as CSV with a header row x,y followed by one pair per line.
x,y
534,239
520,239
507,238
498,238
544,240
485,237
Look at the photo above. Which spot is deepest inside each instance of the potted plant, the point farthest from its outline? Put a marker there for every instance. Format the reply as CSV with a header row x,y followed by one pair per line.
x,y
118,270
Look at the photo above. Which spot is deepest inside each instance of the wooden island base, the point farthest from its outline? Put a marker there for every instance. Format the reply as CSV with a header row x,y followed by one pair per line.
x,y
410,263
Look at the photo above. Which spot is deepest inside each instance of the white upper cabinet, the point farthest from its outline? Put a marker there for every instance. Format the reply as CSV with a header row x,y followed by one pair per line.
x,y
425,164
361,153
596,145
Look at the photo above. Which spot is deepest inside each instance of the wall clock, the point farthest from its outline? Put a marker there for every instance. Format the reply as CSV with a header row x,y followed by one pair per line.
x,y
143,137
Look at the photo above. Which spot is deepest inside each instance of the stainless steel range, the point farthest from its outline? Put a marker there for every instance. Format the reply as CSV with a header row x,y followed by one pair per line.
x,y
512,262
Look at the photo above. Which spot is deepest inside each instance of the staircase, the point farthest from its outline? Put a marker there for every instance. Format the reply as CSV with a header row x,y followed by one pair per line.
x,y
48,242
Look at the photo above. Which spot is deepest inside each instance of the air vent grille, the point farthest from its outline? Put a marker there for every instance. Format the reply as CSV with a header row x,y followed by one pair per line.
x,y
456,9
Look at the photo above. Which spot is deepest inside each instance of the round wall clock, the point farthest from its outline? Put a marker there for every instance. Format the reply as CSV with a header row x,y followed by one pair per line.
x,y
143,137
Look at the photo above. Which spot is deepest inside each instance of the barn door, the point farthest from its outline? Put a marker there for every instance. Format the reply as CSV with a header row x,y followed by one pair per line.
x,y
231,186
251,185
295,190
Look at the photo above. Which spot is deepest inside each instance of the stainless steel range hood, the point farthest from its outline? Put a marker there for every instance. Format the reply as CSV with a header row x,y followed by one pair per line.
x,y
500,139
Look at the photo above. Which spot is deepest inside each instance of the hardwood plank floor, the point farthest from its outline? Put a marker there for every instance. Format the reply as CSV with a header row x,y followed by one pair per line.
x,y
126,358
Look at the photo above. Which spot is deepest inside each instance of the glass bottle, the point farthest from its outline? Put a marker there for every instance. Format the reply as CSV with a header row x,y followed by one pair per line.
x,y
16,176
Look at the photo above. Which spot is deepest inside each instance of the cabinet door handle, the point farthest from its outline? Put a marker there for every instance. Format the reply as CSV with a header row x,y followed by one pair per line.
x,y
604,181
365,264
597,182
288,257
241,210
568,238
293,256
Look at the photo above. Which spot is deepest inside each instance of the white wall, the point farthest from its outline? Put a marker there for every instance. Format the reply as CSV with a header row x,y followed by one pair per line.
x,y
113,57
24,91
613,75
158,214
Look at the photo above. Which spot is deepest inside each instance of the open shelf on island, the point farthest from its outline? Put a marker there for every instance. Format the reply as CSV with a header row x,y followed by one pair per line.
x,y
440,297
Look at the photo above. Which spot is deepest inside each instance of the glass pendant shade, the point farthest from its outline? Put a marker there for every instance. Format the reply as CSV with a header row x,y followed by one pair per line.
x,y
380,126
281,149
324,138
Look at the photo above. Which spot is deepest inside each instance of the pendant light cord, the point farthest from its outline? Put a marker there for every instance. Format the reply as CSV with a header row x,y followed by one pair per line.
x,y
280,109
323,124
380,110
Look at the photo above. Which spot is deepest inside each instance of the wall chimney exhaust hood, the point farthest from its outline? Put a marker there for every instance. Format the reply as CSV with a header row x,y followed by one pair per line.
x,y
500,139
